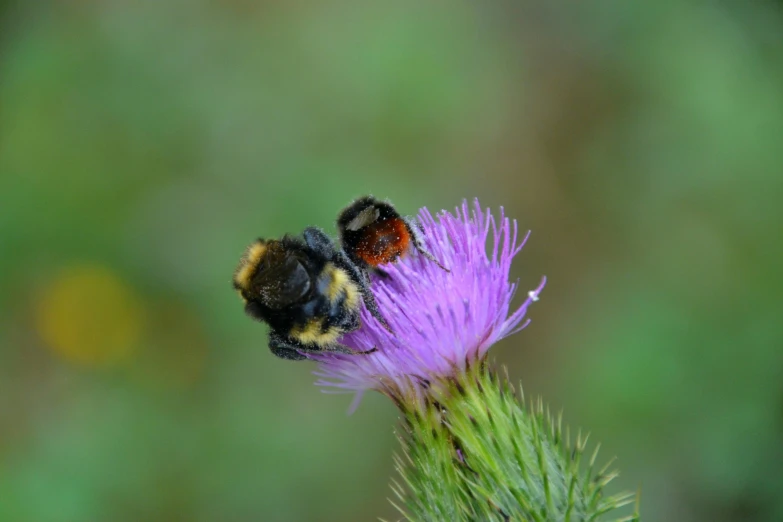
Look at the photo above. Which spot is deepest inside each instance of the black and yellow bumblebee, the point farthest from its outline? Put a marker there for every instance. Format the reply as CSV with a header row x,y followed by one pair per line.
x,y
372,232
307,291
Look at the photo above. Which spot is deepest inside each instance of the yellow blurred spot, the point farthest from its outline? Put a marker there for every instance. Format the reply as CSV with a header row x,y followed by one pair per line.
x,y
89,316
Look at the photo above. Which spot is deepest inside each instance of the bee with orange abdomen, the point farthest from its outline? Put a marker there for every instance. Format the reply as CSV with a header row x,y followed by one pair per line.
x,y
372,233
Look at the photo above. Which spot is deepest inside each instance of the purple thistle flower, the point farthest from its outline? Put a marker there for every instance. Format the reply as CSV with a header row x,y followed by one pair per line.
x,y
443,322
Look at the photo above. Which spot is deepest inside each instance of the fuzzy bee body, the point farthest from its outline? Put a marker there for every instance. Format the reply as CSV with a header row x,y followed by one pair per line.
x,y
306,290
372,232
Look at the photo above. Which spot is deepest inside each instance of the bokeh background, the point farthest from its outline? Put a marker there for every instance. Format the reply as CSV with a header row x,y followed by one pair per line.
x,y
143,144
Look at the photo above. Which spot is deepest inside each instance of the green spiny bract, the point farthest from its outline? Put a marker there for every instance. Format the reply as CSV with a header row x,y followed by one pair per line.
x,y
474,452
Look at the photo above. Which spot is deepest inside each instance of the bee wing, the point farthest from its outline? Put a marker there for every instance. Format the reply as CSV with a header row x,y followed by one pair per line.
x,y
281,280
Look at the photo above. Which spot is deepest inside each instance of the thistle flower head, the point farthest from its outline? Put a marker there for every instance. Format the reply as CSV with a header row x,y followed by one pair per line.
x,y
443,322
472,451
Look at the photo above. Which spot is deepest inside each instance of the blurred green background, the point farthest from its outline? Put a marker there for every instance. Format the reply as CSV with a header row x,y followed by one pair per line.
x,y
143,144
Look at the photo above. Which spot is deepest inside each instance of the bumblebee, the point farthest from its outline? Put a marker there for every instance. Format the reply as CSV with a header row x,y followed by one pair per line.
x,y
372,232
306,290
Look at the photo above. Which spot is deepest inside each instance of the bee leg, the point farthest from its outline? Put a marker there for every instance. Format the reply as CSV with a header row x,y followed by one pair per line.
x,y
285,348
292,350
340,348
371,303
319,241
383,274
417,237
372,306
